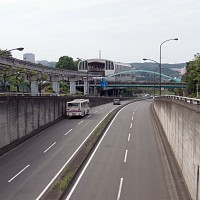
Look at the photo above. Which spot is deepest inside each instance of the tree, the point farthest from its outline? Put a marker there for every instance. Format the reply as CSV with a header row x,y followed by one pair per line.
x,y
5,74
12,76
5,53
192,76
66,62
18,79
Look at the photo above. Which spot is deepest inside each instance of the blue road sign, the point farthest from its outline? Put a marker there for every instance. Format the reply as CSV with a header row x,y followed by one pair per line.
x,y
104,83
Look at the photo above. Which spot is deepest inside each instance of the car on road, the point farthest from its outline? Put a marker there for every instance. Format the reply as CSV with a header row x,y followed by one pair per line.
x,y
116,102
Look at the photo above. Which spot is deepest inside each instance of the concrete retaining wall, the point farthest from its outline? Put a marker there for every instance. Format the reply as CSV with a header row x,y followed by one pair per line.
x,y
20,116
23,117
181,123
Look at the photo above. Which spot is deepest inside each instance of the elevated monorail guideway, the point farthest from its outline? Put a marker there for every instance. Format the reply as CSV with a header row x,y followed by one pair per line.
x,y
42,69
55,75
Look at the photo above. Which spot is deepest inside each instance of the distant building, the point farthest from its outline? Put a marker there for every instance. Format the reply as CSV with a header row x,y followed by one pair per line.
x,y
183,70
42,62
30,57
46,63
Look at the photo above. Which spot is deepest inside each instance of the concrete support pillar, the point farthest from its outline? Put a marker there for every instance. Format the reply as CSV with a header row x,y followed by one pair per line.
x,y
56,87
72,87
34,88
86,87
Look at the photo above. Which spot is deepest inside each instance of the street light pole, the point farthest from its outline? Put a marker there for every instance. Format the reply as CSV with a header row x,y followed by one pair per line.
x,y
18,49
161,62
153,71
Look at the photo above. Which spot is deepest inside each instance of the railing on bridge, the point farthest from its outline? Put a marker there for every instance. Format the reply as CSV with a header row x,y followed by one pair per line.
x,y
181,98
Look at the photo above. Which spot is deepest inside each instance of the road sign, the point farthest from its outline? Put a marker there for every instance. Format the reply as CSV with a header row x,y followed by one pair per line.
x,y
104,83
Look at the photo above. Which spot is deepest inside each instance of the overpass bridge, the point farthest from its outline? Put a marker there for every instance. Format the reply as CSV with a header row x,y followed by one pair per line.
x,y
141,84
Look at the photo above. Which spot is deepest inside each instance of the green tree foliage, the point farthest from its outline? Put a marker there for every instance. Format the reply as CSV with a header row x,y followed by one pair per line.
x,y
5,53
42,82
5,74
18,78
12,76
64,88
192,76
66,62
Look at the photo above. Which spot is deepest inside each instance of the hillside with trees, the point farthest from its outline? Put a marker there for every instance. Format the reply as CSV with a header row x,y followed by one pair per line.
x,y
167,69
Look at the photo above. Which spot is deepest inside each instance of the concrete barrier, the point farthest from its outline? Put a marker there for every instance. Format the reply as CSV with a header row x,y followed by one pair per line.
x,y
180,119
22,117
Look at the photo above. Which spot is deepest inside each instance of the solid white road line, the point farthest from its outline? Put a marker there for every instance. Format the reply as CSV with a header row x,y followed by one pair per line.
x,y
18,173
80,122
125,156
131,125
129,135
120,189
49,147
50,183
88,162
68,132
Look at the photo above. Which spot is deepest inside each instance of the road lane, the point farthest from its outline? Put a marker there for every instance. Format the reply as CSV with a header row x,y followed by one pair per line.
x,y
141,177
66,136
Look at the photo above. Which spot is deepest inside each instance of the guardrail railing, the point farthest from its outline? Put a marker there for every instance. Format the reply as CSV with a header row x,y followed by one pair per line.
x,y
181,98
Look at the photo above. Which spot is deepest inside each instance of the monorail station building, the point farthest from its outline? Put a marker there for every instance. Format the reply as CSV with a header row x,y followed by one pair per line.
x,y
108,70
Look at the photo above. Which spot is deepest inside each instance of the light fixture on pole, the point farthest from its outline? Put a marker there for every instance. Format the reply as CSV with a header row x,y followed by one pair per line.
x,y
151,60
18,49
160,60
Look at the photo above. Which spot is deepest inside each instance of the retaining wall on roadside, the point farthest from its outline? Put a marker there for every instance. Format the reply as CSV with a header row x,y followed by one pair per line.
x,y
23,116
181,123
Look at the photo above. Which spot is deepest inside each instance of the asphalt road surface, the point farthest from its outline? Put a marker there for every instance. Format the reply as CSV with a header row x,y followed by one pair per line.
x,y
28,170
126,164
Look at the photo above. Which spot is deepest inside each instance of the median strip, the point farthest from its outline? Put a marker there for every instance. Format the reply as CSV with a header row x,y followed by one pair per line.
x,y
61,180
59,184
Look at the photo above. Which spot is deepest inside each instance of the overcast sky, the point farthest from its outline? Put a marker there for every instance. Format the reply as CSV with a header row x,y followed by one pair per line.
x,y
124,30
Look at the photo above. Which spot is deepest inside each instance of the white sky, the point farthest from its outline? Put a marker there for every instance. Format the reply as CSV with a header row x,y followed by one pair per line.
x,y
124,30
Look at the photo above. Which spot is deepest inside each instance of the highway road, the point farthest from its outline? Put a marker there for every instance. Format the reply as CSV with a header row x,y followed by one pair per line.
x,y
28,170
126,163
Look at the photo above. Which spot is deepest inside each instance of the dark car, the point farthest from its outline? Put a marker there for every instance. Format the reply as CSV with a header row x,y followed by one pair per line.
x,y
116,102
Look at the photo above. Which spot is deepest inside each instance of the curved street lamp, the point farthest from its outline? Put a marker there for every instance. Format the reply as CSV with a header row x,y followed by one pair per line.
x,y
160,60
18,49
152,61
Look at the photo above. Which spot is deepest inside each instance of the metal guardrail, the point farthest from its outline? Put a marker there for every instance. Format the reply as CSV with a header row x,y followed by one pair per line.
x,y
181,98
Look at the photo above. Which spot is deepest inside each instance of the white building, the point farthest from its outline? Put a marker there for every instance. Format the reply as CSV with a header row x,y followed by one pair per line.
x,y
30,57
183,70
